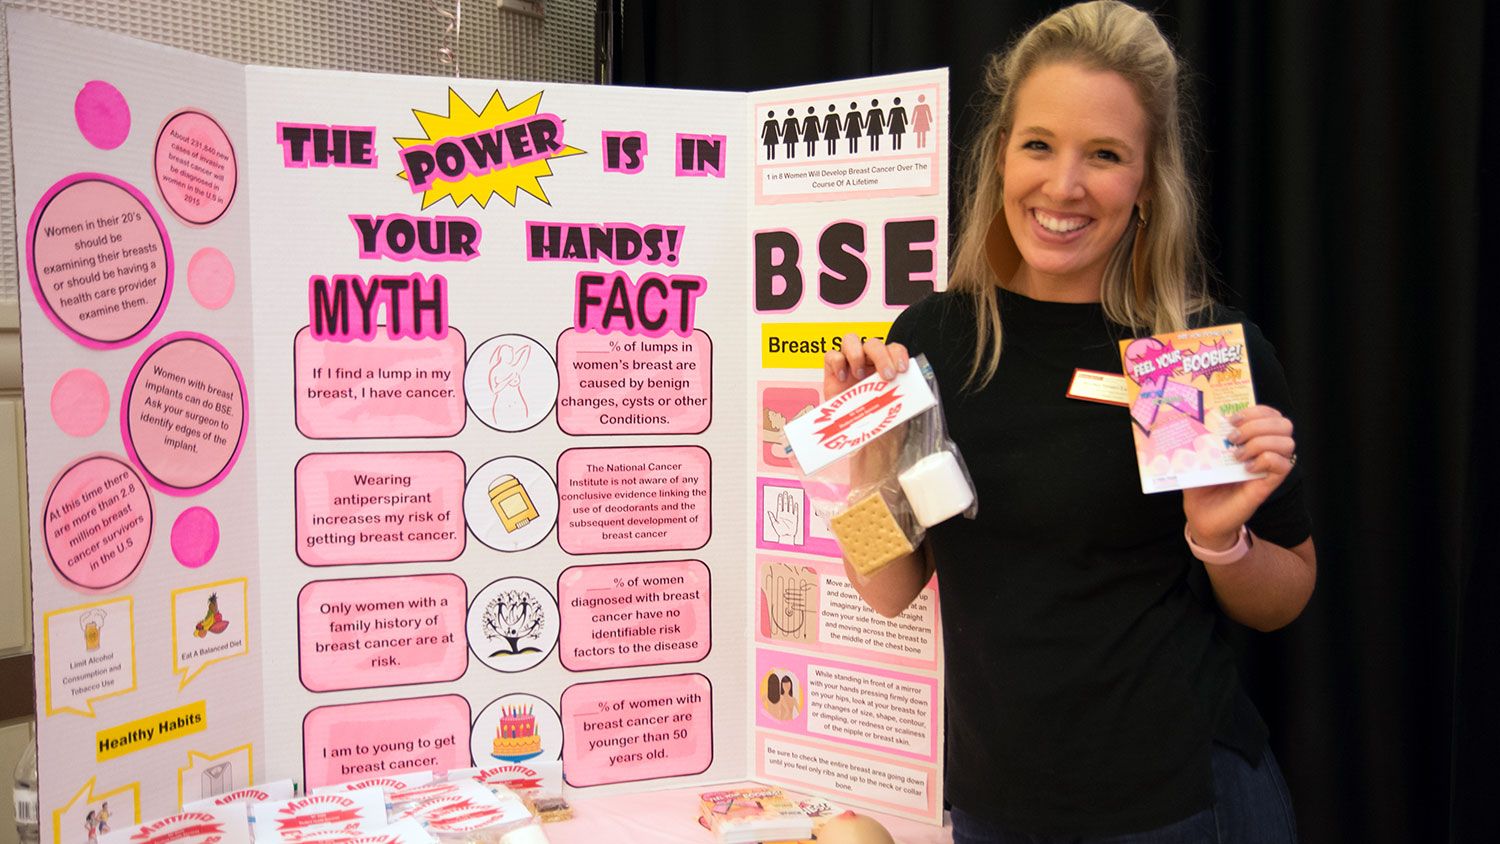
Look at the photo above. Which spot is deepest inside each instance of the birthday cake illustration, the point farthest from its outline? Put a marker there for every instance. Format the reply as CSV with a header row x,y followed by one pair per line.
x,y
516,737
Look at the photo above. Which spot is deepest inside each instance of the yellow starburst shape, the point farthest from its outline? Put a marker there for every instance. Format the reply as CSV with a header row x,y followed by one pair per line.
x,y
497,151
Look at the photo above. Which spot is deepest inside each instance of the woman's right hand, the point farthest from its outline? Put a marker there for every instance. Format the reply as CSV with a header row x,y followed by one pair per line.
x,y
893,589
854,361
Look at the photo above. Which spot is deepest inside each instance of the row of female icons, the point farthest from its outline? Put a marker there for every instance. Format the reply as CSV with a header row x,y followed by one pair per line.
x,y
871,123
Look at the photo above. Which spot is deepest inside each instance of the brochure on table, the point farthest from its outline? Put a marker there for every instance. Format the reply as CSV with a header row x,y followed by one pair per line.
x,y
379,424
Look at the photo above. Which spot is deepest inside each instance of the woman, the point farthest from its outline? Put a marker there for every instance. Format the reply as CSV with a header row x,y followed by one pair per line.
x,y
789,696
780,697
1091,694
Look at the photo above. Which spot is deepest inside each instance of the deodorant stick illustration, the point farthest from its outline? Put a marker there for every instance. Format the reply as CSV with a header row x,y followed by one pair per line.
x,y
511,502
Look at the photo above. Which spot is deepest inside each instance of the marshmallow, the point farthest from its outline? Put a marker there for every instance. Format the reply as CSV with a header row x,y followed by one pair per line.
x,y
529,834
936,488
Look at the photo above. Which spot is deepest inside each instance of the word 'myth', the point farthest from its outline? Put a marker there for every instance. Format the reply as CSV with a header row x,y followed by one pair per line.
x,y
346,307
653,306
508,145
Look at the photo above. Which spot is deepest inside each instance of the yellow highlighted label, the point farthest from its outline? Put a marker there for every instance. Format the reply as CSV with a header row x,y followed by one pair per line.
x,y
801,345
150,731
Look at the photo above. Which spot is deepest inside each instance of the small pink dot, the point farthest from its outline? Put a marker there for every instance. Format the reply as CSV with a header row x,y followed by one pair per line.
x,y
195,537
80,402
211,278
102,115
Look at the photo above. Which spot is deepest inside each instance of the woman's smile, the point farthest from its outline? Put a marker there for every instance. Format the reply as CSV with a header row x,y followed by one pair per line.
x,y
1074,167
1059,224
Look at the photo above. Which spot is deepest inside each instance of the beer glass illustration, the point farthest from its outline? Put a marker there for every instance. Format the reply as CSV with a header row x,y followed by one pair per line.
x,y
91,623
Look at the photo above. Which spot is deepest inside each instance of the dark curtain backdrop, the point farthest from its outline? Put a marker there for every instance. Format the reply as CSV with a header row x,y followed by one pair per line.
x,y
1349,171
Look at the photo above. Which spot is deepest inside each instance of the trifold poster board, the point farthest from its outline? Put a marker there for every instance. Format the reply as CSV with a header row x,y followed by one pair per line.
x,y
366,413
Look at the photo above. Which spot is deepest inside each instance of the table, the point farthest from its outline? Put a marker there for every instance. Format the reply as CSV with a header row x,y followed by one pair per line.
x,y
671,816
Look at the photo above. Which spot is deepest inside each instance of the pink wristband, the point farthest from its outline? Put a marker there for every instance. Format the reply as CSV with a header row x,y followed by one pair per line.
x,y
1232,554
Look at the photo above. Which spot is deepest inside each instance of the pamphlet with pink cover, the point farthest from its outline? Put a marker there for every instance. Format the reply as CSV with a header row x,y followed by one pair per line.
x,y
1184,385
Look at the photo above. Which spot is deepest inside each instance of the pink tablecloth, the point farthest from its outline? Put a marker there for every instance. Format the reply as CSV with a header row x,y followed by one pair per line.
x,y
669,817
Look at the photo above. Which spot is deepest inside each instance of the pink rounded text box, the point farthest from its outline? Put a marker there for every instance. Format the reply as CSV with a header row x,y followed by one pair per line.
x,y
359,740
97,523
633,614
99,260
182,413
415,498
196,168
648,498
381,631
630,730
379,387
634,385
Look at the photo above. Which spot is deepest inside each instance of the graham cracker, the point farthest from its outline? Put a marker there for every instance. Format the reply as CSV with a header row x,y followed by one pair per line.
x,y
869,535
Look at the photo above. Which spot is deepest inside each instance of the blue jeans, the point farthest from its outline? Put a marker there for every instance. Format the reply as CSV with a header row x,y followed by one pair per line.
x,y
1251,806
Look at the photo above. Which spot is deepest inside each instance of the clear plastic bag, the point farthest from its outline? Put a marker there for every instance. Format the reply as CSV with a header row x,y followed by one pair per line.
x,y
883,493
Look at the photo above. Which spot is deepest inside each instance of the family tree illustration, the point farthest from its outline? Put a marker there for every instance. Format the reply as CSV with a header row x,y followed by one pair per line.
x,y
513,617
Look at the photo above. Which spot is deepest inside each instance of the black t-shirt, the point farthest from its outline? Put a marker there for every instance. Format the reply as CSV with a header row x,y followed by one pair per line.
x,y
1087,673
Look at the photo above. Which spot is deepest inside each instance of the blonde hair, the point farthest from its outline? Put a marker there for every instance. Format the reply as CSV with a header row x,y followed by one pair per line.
x,y
1103,35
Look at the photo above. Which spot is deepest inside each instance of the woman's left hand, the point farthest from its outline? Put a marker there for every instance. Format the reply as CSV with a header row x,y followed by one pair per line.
x,y
1264,442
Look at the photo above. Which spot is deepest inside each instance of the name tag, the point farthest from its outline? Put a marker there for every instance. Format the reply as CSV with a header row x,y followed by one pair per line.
x,y
1101,387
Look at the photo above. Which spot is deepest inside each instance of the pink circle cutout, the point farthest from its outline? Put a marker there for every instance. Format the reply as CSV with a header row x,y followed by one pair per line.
x,y
182,413
97,522
80,402
195,537
210,278
99,260
196,171
102,115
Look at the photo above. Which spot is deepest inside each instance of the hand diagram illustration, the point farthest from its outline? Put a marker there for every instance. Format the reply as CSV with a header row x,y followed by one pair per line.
x,y
784,517
791,600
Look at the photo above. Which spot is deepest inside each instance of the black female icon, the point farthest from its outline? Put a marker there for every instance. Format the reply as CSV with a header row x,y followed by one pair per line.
x,y
874,124
789,131
854,126
810,126
770,135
